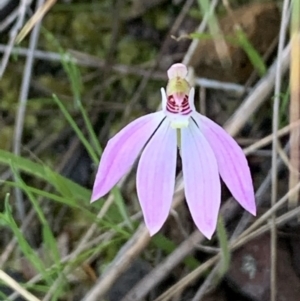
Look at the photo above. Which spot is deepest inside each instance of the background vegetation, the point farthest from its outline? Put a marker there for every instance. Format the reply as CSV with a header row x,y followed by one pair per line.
x,y
71,81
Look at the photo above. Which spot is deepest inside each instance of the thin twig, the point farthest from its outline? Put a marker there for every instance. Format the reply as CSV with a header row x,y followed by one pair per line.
x,y
79,248
17,287
107,236
22,108
207,284
34,20
268,139
124,258
132,248
259,94
273,286
9,19
13,33
295,97
142,288
86,60
214,84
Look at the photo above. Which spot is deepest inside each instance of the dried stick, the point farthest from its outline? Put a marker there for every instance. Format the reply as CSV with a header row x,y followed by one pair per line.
x,y
9,19
259,94
295,98
205,287
13,33
268,139
127,254
273,259
83,59
35,19
246,216
17,287
160,272
139,291
22,108
107,236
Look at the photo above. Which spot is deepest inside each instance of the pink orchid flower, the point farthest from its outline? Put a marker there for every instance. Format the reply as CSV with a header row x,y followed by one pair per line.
x,y
206,150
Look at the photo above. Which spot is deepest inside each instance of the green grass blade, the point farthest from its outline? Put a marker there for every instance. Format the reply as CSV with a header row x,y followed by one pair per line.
x,y
78,192
224,245
74,76
211,18
76,129
76,83
30,253
119,201
48,237
255,58
90,129
45,194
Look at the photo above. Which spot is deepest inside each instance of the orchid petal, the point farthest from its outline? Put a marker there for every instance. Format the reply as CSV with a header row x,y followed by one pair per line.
x,y
192,99
121,152
233,165
201,179
177,70
156,177
164,99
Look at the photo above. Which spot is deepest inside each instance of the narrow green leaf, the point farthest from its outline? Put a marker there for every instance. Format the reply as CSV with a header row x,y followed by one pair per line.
x,y
119,201
255,58
224,245
211,18
201,36
55,179
30,253
48,237
46,194
77,130
41,171
74,76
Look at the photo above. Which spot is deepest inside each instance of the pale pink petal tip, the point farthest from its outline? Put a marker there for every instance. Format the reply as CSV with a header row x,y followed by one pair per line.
x,y
208,233
153,229
93,199
201,179
177,70
252,207
232,163
156,177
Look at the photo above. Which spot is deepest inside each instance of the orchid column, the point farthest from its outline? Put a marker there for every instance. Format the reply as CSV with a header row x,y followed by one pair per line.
x,y
207,152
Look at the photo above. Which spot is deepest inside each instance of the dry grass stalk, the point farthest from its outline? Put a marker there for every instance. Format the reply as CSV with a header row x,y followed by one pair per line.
x,y
295,99
17,287
38,15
